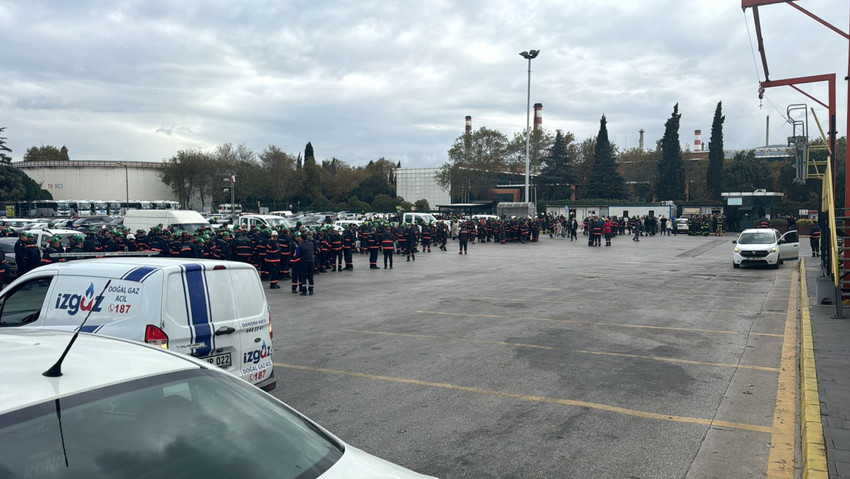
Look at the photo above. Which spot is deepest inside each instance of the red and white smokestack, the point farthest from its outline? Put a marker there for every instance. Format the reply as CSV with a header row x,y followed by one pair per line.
x,y
538,116
697,140
468,124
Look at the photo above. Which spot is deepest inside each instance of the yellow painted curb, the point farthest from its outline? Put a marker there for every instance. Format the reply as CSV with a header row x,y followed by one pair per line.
x,y
811,427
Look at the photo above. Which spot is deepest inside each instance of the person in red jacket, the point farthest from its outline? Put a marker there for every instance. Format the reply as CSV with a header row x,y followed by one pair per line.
x,y
606,230
272,259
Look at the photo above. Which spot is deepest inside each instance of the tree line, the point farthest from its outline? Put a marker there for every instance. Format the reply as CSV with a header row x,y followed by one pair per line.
x,y
596,170
280,180
562,168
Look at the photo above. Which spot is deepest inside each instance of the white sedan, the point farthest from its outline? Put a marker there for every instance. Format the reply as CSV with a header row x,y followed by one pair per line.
x,y
765,246
118,408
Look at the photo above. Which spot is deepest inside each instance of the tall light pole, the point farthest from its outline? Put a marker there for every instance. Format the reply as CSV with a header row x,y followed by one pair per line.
x,y
126,188
232,187
529,55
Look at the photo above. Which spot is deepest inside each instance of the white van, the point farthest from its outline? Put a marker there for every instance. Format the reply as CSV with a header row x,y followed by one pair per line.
x,y
187,220
213,310
413,218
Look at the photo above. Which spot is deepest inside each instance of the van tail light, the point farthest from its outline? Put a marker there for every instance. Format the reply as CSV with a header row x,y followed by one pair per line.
x,y
271,332
156,336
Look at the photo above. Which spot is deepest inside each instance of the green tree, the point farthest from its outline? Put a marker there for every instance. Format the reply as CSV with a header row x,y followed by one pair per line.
x,y
372,184
184,172
422,205
310,182
354,204
339,180
605,181
308,152
383,204
44,153
539,147
4,158
671,167
242,162
15,185
714,173
476,160
641,168
746,173
279,175
557,175
584,166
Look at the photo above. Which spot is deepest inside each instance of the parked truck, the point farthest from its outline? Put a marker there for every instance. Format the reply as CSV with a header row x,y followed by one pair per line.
x,y
269,221
187,220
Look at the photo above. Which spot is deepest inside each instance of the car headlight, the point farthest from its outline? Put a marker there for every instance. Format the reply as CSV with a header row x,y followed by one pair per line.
x,y
772,250
737,249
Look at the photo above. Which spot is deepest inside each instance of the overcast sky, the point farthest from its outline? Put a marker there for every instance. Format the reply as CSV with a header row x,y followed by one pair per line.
x,y
361,80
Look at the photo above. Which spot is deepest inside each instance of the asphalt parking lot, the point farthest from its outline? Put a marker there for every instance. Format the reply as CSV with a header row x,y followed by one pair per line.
x,y
551,359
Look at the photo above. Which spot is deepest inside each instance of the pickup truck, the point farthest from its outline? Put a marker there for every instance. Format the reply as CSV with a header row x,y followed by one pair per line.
x,y
270,221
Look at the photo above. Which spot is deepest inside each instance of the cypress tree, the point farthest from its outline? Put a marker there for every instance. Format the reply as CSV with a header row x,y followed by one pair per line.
x,y
605,182
671,167
714,173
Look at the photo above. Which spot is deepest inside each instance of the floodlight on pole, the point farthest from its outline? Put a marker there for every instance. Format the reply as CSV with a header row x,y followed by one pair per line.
x,y
529,55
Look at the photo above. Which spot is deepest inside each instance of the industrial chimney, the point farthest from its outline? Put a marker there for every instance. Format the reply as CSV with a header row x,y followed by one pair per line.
x,y
538,116
468,124
697,140
640,143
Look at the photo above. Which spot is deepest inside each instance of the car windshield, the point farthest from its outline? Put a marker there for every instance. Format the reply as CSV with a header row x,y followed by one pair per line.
x,y
173,425
192,227
757,238
278,222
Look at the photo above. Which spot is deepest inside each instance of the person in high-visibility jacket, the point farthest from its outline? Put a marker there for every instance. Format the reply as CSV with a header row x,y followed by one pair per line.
x,y
387,246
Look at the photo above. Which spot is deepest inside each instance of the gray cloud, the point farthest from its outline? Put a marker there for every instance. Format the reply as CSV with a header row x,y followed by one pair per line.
x,y
140,80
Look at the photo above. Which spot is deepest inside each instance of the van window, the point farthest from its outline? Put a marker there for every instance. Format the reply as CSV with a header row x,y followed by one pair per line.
x,y
221,295
175,303
250,298
23,305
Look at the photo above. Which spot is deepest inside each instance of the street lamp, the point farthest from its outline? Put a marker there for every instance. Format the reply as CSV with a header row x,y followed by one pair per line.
x,y
232,181
126,188
529,55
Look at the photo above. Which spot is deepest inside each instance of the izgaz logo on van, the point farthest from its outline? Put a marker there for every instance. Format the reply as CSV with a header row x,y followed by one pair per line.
x,y
74,303
256,355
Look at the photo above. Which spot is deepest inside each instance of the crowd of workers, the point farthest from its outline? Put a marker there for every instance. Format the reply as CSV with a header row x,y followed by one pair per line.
x,y
297,255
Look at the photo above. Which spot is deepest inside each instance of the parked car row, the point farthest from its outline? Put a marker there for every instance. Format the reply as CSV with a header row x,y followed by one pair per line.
x,y
86,223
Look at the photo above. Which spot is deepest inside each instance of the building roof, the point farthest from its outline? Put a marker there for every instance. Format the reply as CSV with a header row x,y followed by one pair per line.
x,y
738,194
23,165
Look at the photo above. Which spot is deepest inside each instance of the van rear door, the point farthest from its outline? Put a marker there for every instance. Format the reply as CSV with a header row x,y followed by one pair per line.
x,y
200,317
205,318
254,327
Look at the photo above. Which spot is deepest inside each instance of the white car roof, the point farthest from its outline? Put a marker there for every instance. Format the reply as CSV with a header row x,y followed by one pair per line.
x,y
60,231
131,268
93,362
255,215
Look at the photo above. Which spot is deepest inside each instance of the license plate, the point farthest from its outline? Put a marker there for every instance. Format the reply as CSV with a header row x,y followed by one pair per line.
x,y
220,360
